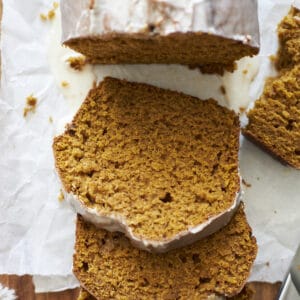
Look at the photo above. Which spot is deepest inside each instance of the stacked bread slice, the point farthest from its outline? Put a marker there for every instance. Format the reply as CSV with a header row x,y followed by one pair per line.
x,y
162,168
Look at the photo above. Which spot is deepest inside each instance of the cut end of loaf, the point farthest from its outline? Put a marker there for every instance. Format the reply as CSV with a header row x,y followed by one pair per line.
x,y
209,53
211,36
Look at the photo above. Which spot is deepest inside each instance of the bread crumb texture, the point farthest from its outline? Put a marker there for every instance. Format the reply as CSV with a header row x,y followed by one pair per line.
x,y
65,84
274,122
162,160
77,62
247,293
50,15
209,52
30,107
61,196
84,295
289,40
109,267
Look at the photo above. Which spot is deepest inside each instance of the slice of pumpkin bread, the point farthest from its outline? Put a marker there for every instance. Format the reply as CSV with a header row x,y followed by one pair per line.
x,y
109,267
158,165
274,122
209,34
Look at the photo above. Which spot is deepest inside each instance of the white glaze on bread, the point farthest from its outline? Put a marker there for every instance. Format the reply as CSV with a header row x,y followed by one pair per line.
x,y
227,18
115,222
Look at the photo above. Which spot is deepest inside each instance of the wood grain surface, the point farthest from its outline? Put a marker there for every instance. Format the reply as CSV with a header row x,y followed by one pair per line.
x,y
25,290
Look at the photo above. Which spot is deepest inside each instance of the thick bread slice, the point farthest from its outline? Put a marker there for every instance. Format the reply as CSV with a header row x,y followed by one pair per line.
x,y
158,165
109,267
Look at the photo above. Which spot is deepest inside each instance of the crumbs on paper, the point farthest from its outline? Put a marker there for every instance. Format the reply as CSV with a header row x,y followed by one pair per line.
x,y
31,103
61,196
65,84
76,62
51,13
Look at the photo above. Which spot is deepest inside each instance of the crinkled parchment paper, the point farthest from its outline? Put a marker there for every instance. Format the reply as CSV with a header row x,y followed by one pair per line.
x,y
36,230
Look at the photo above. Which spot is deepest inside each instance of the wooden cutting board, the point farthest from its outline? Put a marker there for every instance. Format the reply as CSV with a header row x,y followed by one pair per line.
x,y
25,290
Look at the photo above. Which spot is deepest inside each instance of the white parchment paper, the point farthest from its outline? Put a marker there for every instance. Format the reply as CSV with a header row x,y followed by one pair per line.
x,y
36,230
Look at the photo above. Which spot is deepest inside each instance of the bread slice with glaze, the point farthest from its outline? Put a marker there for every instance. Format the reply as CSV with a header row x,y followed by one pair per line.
x,y
109,267
158,165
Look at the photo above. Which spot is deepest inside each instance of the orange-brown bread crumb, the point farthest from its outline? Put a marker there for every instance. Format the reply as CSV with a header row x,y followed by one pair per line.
x,y
163,160
247,293
109,267
84,295
178,48
289,40
274,122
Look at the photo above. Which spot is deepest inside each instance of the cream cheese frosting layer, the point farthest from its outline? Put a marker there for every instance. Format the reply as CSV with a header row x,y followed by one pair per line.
x,y
116,222
137,15
228,18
